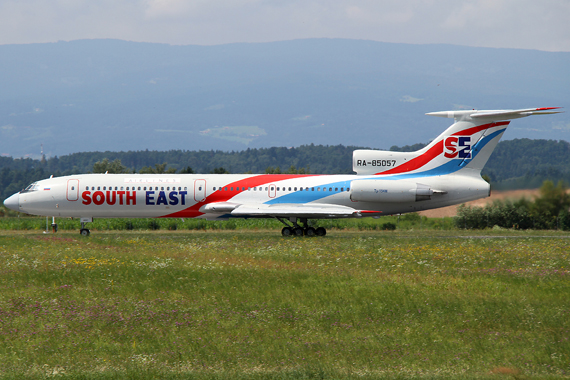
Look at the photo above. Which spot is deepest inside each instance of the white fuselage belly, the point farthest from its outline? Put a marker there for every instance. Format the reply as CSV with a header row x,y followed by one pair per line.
x,y
187,195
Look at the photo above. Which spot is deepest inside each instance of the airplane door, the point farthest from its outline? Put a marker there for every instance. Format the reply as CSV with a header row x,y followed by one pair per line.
x,y
72,189
200,190
272,191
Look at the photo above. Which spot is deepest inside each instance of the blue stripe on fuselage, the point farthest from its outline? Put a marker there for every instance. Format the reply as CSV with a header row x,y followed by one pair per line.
x,y
311,195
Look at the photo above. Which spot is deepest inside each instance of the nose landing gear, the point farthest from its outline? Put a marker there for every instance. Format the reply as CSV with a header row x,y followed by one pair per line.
x,y
85,231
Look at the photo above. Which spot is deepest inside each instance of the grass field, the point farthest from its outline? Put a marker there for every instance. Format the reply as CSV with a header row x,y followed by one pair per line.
x,y
251,304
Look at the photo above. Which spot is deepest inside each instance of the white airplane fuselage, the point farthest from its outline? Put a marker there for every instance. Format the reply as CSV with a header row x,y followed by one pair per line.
x,y
444,173
189,195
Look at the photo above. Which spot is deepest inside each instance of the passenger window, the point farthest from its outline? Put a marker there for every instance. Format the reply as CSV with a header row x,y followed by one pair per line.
x,y
139,187
342,189
289,189
336,189
72,187
104,188
295,189
98,187
167,189
87,188
232,188
348,189
199,188
312,189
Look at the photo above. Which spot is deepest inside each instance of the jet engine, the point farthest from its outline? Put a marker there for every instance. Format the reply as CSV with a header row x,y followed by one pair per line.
x,y
383,191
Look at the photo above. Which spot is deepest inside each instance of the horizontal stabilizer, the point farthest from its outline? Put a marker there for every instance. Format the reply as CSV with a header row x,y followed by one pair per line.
x,y
495,115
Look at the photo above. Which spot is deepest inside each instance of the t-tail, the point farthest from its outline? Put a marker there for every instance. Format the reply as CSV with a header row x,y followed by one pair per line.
x,y
465,146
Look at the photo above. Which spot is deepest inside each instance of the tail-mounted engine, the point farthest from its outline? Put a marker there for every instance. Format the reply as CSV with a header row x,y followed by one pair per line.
x,y
382,191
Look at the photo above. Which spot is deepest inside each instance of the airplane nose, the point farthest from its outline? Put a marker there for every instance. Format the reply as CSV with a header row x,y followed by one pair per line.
x,y
13,202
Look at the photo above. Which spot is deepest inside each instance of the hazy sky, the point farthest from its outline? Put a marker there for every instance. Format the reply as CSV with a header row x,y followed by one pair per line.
x,y
527,24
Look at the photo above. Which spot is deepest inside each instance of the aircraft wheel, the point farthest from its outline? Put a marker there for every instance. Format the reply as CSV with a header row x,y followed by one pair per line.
x,y
84,232
310,231
298,231
287,231
321,231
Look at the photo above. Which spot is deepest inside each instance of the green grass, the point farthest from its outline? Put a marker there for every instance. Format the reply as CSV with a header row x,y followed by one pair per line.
x,y
251,304
404,222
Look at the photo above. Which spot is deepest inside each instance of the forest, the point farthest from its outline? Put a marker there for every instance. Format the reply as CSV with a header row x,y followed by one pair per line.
x,y
515,164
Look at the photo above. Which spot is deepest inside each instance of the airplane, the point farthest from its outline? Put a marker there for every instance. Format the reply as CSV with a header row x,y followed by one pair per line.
x,y
445,172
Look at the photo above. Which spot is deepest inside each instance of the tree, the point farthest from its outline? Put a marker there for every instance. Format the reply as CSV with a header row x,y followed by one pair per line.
x,y
105,166
551,202
294,170
219,170
158,169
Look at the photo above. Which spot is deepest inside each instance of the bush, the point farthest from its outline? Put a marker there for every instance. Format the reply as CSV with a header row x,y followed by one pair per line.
x,y
547,211
153,225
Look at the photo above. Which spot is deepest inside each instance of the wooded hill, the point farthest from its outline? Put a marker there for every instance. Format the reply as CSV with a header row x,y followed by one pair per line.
x,y
515,164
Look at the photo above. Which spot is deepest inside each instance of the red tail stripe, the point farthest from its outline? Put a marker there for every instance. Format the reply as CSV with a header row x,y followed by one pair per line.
x,y
419,161
436,150
479,128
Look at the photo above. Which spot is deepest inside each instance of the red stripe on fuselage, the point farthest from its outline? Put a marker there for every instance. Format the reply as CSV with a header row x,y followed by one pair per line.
x,y
226,195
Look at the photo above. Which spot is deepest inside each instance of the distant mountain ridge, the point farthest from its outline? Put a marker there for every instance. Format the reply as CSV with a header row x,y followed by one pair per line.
x,y
99,95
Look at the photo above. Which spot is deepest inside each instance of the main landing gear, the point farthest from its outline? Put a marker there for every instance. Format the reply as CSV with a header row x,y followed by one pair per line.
x,y
296,230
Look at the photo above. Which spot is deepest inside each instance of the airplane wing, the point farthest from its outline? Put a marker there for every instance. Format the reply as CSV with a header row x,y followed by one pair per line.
x,y
287,210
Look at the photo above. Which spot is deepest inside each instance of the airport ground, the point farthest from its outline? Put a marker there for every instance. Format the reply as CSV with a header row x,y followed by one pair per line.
x,y
251,304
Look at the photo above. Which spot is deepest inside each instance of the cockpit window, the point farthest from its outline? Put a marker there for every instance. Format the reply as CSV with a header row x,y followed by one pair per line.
x,y
32,187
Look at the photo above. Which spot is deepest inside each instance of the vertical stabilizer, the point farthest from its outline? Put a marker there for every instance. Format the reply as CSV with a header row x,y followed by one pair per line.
x,y
466,144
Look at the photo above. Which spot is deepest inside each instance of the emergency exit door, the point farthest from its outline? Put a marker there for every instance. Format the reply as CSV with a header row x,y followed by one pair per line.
x,y
200,190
